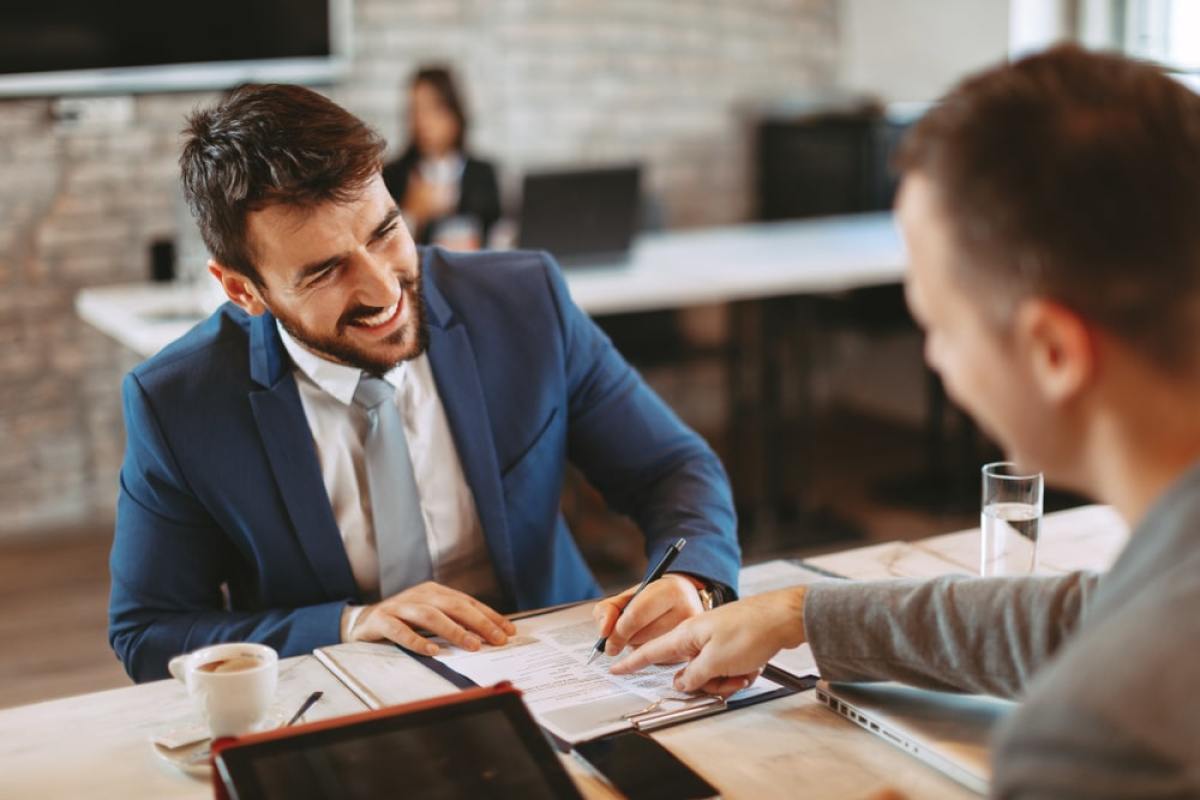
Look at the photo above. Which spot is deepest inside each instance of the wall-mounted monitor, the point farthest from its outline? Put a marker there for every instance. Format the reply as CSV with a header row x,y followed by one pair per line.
x,y
55,47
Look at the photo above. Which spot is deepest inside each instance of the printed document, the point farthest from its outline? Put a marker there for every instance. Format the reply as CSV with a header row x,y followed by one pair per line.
x,y
547,661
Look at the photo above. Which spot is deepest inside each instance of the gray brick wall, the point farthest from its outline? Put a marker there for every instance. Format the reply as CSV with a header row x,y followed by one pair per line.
x,y
548,82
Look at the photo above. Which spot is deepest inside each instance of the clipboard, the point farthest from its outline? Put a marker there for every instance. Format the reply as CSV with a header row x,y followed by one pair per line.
x,y
669,711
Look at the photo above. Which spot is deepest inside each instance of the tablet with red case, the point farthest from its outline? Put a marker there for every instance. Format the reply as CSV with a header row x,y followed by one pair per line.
x,y
476,743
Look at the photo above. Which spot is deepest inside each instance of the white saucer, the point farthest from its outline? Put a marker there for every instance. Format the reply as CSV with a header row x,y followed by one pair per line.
x,y
188,759
181,758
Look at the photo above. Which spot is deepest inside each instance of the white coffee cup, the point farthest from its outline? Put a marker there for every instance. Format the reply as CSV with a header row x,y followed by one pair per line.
x,y
231,702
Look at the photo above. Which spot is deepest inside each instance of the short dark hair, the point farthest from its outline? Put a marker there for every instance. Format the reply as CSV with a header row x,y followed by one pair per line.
x,y
269,144
1076,176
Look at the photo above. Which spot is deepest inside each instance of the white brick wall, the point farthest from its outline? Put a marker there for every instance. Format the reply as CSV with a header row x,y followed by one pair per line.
x,y
547,81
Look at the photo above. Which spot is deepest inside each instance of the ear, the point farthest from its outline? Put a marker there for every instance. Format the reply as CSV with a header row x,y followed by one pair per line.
x,y
1059,347
238,288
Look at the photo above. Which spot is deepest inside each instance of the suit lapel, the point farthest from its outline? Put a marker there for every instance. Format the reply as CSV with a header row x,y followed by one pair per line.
x,y
454,370
293,457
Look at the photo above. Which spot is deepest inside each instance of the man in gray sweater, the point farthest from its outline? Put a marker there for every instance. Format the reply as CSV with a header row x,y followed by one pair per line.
x,y
1051,209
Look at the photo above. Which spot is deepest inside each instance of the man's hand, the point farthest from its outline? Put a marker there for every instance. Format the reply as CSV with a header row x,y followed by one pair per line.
x,y
728,646
449,613
664,604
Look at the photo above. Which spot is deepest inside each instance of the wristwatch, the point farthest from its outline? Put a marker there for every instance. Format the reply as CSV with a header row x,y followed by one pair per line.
x,y
711,594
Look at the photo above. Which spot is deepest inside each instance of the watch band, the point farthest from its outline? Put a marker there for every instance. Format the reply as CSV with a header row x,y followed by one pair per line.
x,y
711,596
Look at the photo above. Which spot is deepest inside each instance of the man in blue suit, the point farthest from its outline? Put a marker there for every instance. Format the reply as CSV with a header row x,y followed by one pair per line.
x,y
369,441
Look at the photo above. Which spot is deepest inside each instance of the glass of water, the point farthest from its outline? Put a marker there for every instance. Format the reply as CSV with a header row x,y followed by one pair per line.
x,y
1010,520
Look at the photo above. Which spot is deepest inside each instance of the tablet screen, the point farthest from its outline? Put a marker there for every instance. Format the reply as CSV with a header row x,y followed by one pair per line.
x,y
483,748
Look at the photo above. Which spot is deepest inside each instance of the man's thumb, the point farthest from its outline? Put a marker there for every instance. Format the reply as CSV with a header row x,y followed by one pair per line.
x,y
698,672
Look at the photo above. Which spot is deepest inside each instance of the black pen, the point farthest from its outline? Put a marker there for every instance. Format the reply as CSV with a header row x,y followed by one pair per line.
x,y
659,570
312,698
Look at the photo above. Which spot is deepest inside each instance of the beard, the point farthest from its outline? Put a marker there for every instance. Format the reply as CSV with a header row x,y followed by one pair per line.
x,y
336,347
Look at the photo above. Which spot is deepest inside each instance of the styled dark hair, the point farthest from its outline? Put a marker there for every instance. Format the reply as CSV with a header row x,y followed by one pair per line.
x,y
441,80
270,144
1075,176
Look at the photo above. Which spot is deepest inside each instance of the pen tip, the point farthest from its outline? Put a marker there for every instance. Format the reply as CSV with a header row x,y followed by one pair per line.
x,y
592,657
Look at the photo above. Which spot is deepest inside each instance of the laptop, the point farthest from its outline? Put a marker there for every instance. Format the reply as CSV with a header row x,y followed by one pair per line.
x,y
949,732
584,217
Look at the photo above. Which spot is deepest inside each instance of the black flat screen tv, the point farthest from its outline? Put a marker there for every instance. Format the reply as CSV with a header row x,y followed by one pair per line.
x,y
55,47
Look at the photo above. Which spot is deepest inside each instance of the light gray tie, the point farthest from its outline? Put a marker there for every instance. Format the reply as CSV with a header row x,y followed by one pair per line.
x,y
395,503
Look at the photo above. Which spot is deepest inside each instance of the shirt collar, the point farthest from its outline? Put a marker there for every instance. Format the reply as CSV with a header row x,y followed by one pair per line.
x,y
337,380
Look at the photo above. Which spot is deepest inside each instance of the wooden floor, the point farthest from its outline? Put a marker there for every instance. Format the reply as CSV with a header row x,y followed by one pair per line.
x,y
54,596
54,589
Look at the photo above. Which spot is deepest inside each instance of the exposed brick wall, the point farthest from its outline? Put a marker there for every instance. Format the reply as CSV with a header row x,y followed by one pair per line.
x,y
548,82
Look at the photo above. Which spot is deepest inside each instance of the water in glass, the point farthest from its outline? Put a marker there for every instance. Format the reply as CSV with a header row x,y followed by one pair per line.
x,y
1010,535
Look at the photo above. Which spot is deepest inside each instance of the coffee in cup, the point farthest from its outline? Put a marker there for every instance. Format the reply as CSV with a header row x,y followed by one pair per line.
x,y
234,664
232,685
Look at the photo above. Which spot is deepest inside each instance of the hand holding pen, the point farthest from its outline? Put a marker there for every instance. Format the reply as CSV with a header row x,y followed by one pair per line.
x,y
686,591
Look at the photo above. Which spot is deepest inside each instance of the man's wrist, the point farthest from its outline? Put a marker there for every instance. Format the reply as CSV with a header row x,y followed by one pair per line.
x,y
792,630
711,594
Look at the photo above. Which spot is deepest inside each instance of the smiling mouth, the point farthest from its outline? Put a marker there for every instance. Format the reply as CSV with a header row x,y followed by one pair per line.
x,y
382,318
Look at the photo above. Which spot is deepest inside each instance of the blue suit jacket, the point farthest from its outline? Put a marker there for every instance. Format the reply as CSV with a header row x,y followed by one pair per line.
x,y
224,528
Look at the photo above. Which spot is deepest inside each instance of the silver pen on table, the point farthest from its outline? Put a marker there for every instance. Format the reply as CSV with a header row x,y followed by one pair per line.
x,y
659,570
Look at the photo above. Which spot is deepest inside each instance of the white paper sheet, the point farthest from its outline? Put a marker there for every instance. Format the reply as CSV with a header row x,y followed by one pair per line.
x,y
547,661
382,674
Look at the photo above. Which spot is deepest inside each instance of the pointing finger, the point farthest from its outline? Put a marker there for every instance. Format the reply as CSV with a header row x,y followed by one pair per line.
x,y
671,648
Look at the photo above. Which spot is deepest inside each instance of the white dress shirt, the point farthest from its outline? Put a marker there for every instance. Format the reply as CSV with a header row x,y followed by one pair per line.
x,y
456,545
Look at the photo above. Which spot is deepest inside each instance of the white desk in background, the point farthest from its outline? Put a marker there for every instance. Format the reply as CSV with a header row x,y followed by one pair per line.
x,y
746,262
1088,538
678,269
97,745
665,271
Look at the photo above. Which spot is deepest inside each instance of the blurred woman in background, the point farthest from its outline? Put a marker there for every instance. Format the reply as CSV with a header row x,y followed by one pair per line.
x,y
447,196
